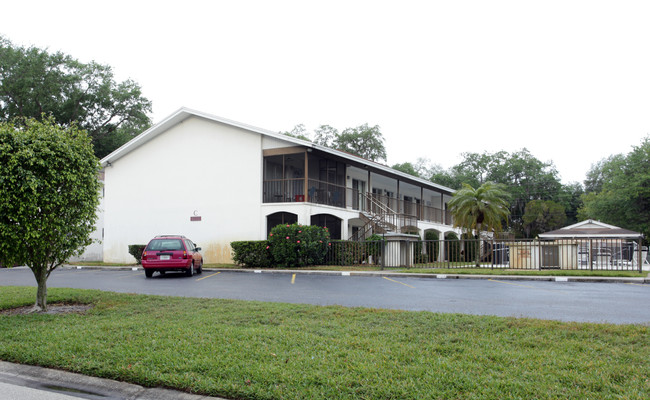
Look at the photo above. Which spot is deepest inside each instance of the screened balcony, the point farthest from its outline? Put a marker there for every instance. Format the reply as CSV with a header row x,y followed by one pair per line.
x,y
285,181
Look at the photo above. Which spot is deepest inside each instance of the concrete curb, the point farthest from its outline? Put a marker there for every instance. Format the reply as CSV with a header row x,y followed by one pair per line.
x,y
602,279
589,279
52,383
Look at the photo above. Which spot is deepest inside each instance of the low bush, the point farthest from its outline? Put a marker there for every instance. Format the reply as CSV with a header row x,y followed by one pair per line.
x,y
136,251
349,252
453,247
374,248
252,253
344,252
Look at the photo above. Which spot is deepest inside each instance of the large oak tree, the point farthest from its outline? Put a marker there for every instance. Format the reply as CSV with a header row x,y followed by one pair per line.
x,y
34,82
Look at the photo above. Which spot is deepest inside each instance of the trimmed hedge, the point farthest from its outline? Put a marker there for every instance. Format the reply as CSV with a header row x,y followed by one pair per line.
x,y
252,253
136,251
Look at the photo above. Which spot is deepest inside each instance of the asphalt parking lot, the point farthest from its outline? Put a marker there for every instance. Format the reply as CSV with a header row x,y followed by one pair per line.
x,y
619,301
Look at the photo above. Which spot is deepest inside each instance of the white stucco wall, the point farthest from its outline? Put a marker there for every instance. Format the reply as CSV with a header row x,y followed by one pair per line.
x,y
305,211
95,251
196,168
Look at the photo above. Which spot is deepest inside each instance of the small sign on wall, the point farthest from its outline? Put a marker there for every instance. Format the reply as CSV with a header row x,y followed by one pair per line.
x,y
195,218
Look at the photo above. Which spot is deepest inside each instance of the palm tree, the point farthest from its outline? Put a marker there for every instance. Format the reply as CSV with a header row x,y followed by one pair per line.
x,y
480,209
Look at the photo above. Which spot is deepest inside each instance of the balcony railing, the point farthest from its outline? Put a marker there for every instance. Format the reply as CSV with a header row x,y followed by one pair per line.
x,y
320,192
284,190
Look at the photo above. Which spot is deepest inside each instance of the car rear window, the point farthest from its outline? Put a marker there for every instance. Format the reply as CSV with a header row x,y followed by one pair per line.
x,y
165,244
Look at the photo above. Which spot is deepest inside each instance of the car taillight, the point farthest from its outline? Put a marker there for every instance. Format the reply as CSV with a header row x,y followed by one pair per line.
x,y
144,255
185,254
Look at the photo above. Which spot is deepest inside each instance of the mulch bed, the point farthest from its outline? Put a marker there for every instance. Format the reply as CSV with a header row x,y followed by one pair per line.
x,y
51,309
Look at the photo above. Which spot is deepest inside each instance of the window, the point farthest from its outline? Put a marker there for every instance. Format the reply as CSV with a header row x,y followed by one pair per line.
x,y
189,244
165,244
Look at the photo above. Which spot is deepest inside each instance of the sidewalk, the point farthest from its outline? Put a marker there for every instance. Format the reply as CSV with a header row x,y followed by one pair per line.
x,y
26,382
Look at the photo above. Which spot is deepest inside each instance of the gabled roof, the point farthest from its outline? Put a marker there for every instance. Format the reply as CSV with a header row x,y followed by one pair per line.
x,y
591,229
184,113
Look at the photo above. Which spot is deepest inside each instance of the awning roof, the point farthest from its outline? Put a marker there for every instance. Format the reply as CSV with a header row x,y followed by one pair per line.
x,y
591,229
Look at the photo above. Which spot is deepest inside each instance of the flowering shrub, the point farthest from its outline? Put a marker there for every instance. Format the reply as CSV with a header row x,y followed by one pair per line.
x,y
298,245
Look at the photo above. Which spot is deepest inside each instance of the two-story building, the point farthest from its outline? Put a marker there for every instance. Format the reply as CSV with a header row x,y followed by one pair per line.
x,y
216,181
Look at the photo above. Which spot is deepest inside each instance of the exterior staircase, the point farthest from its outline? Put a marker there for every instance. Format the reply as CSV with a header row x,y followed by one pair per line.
x,y
380,219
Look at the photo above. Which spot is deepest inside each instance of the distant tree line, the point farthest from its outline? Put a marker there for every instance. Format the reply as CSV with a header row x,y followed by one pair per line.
x,y
539,202
616,189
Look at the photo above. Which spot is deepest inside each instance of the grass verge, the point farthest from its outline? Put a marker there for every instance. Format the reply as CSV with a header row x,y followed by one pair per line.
x,y
254,350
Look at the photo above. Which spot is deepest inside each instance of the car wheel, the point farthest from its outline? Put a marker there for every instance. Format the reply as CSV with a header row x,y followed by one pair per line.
x,y
148,273
200,269
190,270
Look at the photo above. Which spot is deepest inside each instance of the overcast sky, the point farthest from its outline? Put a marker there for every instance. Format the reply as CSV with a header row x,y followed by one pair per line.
x,y
568,80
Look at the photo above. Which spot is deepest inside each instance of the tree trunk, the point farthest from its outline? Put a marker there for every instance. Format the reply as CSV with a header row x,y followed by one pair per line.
x,y
40,273
478,246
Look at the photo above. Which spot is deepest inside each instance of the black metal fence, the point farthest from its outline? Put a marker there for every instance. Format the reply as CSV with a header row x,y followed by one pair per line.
x,y
569,254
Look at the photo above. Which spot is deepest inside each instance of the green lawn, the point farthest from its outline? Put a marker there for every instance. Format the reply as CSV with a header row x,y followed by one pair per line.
x,y
254,350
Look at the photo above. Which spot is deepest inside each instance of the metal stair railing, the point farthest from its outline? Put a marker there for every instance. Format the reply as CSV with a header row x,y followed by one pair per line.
x,y
384,221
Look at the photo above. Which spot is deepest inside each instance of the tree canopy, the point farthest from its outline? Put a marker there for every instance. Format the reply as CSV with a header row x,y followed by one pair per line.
x,y
619,190
49,193
542,216
422,168
298,132
364,140
325,135
34,82
407,168
522,175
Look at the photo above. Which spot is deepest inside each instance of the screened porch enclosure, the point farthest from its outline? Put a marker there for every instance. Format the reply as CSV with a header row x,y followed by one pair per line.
x,y
284,179
298,175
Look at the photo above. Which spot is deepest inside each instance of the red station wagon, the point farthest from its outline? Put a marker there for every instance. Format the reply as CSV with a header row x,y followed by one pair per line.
x,y
171,253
